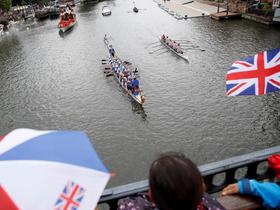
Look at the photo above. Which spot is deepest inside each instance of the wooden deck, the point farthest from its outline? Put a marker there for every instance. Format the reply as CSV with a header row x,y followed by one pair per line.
x,y
224,15
188,8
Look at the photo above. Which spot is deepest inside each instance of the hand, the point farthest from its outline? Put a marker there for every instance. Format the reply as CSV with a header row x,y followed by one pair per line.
x,y
230,189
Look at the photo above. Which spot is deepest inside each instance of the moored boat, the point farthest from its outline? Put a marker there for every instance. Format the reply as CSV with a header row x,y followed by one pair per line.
x,y
135,9
106,11
117,67
1,29
180,54
67,21
42,14
53,12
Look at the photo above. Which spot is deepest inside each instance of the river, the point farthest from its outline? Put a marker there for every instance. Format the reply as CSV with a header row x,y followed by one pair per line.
x,y
52,81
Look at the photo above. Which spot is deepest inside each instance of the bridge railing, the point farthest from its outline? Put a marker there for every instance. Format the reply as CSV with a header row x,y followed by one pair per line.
x,y
216,175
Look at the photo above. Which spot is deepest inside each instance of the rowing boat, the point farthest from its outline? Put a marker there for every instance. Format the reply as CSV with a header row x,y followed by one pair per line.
x,y
170,48
139,98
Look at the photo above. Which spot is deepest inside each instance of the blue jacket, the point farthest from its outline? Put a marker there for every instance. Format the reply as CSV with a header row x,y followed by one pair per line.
x,y
134,83
268,191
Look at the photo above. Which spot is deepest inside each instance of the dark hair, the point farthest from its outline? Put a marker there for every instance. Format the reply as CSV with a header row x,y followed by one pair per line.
x,y
175,183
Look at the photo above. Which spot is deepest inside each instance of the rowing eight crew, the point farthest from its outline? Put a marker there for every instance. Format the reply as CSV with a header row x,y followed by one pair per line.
x,y
173,44
126,77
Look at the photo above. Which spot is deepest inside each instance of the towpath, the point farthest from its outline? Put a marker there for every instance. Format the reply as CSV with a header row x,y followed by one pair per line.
x,y
189,7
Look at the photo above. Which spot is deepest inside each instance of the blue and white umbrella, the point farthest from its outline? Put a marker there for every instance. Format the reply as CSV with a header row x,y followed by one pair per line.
x,y
50,170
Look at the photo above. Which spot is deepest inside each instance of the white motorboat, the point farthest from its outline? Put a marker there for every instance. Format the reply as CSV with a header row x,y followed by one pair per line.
x,y
106,11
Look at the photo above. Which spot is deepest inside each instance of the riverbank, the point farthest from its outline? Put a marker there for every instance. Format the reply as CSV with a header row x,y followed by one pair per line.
x,y
200,8
189,8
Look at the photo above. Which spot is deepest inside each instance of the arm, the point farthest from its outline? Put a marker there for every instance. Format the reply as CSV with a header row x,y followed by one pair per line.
x,y
268,191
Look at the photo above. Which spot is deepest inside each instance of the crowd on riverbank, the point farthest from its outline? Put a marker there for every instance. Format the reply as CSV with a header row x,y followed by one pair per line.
x,y
26,12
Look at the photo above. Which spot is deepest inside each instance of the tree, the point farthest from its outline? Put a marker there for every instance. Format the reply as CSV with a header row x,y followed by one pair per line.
x,y
5,4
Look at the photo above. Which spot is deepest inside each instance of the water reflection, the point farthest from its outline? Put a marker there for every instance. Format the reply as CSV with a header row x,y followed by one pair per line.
x,y
48,81
66,33
138,109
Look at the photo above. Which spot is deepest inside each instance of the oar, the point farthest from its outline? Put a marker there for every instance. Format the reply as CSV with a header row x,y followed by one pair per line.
x,y
107,72
162,52
153,43
189,45
108,75
156,46
151,52
194,49
127,63
152,47
181,40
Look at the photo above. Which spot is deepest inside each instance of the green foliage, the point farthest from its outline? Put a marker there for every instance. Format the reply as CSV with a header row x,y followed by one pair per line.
x,y
267,6
23,2
41,2
5,4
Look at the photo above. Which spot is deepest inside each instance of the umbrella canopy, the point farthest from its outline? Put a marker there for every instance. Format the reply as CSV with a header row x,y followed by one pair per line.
x,y
50,170
255,75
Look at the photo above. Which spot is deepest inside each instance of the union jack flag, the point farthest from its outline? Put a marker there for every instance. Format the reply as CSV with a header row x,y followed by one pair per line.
x,y
70,198
255,75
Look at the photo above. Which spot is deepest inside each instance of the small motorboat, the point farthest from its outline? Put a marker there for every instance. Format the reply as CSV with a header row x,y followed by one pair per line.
x,y
135,9
106,11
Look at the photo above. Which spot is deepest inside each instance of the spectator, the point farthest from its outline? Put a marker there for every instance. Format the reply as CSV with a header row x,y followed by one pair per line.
x,y
268,191
175,184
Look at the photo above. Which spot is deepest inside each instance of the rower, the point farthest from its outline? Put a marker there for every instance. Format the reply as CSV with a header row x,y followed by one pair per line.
x,y
174,45
134,84
112,51
71,17
179,49
135,71
163,37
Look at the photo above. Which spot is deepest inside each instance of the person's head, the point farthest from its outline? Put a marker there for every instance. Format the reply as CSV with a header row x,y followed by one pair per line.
x,y
175,183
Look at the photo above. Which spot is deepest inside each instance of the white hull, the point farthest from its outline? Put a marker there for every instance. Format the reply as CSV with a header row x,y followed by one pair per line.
x,y
136,98
170,48
106,11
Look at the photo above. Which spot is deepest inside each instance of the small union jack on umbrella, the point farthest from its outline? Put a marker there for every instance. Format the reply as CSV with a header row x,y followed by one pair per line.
x,y
256,75
52,170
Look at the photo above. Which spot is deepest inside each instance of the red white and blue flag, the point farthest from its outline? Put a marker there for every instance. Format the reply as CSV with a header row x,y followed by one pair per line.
x,y
50,170
71,197
255,75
